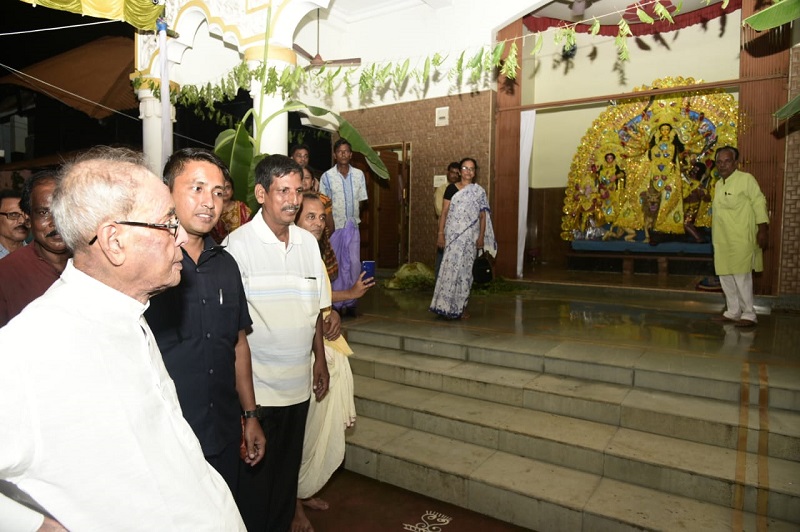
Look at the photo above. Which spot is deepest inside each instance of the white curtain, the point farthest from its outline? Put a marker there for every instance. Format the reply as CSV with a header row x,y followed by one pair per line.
x,y
526,126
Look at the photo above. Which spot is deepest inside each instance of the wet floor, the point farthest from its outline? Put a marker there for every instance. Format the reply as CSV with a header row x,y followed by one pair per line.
x,y
668,319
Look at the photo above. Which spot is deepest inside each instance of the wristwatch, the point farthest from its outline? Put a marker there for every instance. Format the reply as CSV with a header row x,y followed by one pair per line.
x,y
251,413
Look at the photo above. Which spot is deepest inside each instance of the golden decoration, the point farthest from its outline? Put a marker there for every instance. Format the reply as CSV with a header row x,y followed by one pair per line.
x,y
650,155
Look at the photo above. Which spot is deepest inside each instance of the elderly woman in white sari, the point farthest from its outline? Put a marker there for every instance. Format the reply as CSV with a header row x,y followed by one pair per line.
x,y
465,227
324,444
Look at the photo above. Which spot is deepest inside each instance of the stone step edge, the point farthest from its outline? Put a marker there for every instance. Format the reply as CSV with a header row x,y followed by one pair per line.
x,y
353,330
749,482
572,392
369,467
784,394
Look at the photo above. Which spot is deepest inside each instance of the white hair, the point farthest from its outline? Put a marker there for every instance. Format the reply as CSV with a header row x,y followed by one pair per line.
x,y
100,185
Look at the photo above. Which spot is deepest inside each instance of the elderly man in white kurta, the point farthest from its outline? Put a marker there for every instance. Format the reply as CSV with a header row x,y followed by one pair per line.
x,y
90,425
739,233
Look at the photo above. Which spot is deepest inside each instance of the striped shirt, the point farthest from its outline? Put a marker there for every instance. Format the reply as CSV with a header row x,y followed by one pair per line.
x,y
285,290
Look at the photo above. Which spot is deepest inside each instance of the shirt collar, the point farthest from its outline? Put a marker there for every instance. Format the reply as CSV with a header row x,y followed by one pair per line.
x,y
344,176
100,295
266,235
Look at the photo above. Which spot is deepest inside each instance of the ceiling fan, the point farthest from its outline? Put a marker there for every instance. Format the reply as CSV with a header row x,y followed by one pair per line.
x,y
317,61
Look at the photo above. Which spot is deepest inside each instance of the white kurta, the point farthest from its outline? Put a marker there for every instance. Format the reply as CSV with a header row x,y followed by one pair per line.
x,y
90,423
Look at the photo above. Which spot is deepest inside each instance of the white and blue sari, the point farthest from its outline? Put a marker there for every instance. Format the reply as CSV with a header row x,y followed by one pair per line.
x,y
461,231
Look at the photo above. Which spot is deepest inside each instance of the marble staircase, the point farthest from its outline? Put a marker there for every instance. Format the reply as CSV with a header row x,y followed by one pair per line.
x,y
563,435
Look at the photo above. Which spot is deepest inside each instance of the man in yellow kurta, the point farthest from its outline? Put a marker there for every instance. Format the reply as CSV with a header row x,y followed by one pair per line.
x,y
739,232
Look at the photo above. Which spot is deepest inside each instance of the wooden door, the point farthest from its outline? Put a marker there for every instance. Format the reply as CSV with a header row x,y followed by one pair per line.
x,y
381,223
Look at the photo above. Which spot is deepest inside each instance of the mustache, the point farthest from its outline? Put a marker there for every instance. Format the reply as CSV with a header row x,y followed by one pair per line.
x,y
291,207
52,234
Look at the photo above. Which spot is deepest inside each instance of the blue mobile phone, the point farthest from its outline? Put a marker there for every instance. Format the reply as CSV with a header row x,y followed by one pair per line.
x,y
368,267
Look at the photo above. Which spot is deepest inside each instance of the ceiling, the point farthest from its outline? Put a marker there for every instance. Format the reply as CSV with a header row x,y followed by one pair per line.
x,y
356,10
609,12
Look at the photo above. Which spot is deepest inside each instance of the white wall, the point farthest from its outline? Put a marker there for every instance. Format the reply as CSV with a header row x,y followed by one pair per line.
x,y
413,33
695,51
208,59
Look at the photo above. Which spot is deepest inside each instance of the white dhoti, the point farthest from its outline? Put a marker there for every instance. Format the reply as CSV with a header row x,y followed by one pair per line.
x,y
323,445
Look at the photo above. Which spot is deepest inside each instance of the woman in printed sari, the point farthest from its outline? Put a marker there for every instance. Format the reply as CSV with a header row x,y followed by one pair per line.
x,y
464,228
234,213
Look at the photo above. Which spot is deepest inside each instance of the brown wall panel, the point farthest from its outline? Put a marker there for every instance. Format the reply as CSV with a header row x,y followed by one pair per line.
x,y
789,282
506,162
432,149
544,227
761,140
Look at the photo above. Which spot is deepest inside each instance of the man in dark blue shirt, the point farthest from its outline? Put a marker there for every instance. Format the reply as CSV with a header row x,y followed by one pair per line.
x,y
200,325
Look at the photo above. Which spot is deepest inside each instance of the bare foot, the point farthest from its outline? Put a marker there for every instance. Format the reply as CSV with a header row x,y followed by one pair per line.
x,y
464,316
315,504
300,523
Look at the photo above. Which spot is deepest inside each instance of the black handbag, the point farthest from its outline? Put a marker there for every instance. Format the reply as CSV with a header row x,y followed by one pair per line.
x,y
482,268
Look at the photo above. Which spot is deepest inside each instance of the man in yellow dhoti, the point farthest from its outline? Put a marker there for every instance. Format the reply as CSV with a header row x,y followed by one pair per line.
x,y
739,232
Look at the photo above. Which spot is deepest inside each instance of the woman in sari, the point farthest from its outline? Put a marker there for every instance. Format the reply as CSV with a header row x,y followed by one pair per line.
x,y
323,444
234,213
464,228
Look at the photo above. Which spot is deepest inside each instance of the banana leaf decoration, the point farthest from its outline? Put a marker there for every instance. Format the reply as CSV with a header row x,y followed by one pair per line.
x,y
237,148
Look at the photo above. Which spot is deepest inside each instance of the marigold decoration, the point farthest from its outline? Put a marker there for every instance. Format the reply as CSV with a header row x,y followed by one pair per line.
x,y
647,143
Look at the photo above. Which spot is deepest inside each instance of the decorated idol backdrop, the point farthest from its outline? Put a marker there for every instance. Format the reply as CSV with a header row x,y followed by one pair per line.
x,y
647,165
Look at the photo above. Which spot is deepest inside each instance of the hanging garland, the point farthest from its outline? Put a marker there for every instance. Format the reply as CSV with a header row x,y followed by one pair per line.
x,y
477,71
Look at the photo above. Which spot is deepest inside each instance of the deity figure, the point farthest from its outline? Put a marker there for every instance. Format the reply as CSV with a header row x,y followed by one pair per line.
x,y
651,204
642,148
586,198
608,189
664,153
695,191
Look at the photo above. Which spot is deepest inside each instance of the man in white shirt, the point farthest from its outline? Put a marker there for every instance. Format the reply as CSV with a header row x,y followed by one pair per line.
x,y
347,188
284,280
89,418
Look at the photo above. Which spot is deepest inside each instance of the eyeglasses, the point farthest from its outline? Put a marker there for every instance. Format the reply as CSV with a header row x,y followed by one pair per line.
x,y
171,227
468,168
13,215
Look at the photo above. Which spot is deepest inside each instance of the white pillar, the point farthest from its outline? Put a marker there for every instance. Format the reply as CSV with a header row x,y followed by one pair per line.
x,y
275,137
150,114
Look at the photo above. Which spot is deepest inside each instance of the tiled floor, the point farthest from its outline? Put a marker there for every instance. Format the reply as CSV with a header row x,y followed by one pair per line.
x,y
613,310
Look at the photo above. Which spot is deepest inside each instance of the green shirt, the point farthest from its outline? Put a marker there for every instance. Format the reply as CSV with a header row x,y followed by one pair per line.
x,y
738,208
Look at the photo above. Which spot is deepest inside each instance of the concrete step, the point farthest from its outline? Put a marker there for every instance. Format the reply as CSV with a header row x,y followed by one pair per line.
x,y
528,492
704,472
690,418
720,378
